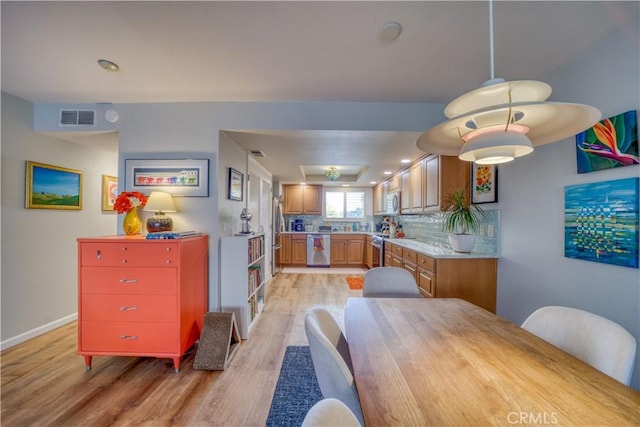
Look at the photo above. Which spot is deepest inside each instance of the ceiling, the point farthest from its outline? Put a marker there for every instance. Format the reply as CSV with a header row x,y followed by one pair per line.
x,y
291,51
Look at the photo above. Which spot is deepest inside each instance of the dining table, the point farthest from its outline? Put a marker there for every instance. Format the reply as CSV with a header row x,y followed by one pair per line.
x,y
447,362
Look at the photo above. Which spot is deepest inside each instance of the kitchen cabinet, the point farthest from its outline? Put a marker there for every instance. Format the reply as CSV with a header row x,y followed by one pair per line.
x,y
347,249
299,249
417,184
405,192
302,199
379,192
285,249
443,174
471,279
140,297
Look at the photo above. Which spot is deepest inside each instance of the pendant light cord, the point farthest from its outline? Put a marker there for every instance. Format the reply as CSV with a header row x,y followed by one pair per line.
x,y
491,37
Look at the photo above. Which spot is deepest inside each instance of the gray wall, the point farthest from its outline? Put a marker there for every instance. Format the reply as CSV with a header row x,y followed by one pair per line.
x,y
39,251
533,271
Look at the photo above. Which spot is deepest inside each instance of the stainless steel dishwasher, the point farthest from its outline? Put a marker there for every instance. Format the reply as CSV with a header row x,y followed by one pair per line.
x,y
318,250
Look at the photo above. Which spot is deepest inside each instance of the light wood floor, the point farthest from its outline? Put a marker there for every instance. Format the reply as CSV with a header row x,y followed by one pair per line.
x,y
44,382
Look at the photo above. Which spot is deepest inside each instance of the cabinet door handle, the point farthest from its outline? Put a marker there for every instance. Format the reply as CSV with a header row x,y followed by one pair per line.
x,y
128,280
129,308
128,337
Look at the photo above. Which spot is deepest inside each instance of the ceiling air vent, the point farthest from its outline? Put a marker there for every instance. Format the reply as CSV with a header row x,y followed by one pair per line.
x,y
258,153
77,117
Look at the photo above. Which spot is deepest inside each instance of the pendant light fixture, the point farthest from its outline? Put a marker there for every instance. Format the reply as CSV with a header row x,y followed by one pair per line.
x,y
332,173
503,120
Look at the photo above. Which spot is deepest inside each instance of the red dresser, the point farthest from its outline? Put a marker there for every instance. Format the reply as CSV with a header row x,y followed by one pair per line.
x,y
139,297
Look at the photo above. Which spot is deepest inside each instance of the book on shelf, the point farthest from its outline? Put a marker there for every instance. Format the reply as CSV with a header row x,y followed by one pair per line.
x,y
172,235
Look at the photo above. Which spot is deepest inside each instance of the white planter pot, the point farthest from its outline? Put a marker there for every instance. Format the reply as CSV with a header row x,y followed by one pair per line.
x,y
462,242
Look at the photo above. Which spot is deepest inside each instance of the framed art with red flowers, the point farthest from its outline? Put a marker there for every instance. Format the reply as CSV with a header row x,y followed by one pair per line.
x,y
484,184
109,192
189,177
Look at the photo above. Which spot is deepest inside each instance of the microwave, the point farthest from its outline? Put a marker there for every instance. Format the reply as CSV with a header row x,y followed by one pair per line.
x,y
392,203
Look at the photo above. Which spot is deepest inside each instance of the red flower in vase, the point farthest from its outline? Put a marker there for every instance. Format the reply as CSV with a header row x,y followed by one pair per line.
x,y
128,200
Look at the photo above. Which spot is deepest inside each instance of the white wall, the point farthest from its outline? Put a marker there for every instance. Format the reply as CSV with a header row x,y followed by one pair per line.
x,y
179,130
39,250
533,271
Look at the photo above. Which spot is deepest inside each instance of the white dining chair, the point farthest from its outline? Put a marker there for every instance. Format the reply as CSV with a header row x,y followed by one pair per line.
x,y
389,282
331,359
598,341
330,413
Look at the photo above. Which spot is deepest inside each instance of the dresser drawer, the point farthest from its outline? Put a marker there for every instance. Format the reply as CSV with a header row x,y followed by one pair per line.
x,y
426,262
129,308
109,280
396,250
129,254
129,337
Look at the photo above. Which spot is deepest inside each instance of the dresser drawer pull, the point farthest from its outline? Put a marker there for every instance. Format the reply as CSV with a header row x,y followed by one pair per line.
x,y
98,254
168,261
124,261
128,337
128,280
129,308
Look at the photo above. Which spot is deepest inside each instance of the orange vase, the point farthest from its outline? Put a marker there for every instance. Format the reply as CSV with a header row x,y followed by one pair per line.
x,y
131,223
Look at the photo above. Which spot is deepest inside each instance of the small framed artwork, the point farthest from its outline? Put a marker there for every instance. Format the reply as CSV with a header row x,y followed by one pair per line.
x,y
484,184
53,187
179,177
236,184
109,192
610,143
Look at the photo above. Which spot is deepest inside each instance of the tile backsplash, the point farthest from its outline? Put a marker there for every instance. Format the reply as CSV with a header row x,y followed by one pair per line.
x,y
425,228
428,228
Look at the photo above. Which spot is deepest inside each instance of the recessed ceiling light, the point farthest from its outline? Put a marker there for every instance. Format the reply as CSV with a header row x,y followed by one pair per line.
x,y
387,172
346,185
303,183
390,31
107,65
405,161
372,182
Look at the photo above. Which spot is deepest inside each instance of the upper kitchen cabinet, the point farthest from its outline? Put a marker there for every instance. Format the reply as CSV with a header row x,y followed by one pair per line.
x,y
417,185
379,193
302,199
405,192
443,174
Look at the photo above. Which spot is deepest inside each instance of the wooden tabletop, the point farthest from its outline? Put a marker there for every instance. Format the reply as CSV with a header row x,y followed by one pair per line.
x,y
445,361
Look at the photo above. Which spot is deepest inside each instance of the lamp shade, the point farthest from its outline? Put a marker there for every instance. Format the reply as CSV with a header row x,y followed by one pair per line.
x,y
160,201
494,148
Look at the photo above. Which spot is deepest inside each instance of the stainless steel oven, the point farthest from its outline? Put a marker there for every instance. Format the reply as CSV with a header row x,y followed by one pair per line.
x,y
377,245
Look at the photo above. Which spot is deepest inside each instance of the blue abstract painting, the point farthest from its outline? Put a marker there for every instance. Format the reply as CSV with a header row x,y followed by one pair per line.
x,y
601,222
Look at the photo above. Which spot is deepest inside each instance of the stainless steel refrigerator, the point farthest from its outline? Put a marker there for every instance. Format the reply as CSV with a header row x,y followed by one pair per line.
x,y
278,227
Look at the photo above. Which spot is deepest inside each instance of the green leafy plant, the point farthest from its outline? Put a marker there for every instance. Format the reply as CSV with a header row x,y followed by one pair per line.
x,y
460,217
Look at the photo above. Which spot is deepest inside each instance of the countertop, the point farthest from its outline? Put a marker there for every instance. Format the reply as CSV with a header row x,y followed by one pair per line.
x,y
430,249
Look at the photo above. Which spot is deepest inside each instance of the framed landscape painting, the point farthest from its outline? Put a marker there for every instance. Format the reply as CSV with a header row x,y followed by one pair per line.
x,y
601,222
53,187
610,143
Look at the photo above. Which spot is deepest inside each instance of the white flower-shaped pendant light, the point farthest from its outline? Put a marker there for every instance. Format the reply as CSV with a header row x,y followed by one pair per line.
x,y
504,120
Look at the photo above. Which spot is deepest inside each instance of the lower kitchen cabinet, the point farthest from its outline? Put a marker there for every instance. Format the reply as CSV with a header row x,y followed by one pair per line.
x,y
471,279
299,249
140,297
371,253
347,249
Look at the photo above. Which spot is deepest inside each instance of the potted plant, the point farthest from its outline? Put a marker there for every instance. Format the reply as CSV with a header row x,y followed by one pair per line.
x,y
461,219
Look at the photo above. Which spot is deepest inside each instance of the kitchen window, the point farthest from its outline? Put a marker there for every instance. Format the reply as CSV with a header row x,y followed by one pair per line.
x,y
344,204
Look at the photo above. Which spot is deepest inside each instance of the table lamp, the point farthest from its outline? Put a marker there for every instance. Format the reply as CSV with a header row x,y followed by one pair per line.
x,y
160,202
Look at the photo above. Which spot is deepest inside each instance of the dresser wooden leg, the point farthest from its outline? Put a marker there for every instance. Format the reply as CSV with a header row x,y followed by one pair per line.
x,y
87,362
176,364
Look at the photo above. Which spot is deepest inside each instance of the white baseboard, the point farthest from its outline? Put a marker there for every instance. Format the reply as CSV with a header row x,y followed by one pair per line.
x,y
18,339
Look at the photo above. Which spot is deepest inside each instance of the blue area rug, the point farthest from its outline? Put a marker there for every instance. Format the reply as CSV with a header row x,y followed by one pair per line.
x,y
297,389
